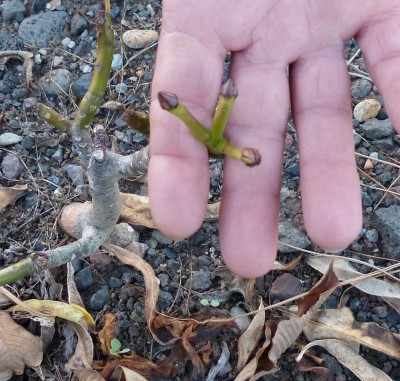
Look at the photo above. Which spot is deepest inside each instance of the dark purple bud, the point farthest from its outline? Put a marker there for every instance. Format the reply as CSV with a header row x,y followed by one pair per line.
x,y
229,89
168,101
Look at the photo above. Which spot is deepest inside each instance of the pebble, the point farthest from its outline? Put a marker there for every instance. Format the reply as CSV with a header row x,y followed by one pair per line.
x,y
199,281
28,142
123,234
197,239
293,236
169,253
139,39
81,85
114,282
380,311
74,173
38,59
84,278
9,138
372,235
11,166
58,155
12,11
161,238
56,82
354,304
85,68
38,29
116,63
121,88
242,321
376,129
99,299
164,280
66,41
387,223
137,248
78,24
165,300
360,88
285,287
366,109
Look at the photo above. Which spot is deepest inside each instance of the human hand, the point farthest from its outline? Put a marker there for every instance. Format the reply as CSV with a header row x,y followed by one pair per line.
x,y
265,37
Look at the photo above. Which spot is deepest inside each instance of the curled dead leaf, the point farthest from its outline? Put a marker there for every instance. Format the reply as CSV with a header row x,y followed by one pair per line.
x,y
8,195
18,348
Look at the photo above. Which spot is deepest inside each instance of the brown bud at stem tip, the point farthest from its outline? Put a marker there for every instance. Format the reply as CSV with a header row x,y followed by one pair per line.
x,y
168,101
229,89
251,157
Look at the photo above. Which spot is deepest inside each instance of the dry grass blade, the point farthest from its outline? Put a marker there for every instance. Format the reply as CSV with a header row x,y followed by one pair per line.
x,y
350,359
8,195
344,271
250,338
287,267
340,324
18,348
151,282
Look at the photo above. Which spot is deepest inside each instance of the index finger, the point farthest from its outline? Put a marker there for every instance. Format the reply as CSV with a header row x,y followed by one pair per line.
x,y
179,171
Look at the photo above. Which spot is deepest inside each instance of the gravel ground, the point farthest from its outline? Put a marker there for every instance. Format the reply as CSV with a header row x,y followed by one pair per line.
x,y
33,153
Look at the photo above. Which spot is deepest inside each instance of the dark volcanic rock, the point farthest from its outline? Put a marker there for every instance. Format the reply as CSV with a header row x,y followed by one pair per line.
x,y
387,223
13,10
377,129
39,29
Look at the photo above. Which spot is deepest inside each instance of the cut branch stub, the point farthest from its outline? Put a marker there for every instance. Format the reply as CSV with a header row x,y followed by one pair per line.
x,y
214,138
53,117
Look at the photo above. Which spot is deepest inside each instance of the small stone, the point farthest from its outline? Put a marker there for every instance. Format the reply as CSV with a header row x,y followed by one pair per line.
x,y
13,10
80,86
74,173
121,88
38,59
84,278
387,223
58,155
376,129
66,41
243,321
360,88
114,12
86,68
354,304
28,142
9,138
56,82
200,281
11,166
99,299
291,235
372,235
380,311
366,109
169,253
114,282
139,39
137,248
123,234
197,239
71,45
78,24
116,63
161,238
285,287
165,300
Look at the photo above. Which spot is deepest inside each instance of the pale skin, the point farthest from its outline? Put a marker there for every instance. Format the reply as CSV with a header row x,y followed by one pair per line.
x,y
266,37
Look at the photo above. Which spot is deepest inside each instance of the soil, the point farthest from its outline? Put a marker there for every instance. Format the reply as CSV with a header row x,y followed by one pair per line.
x,y
189,270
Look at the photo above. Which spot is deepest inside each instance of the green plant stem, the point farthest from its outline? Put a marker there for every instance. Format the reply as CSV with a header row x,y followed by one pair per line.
x,y
171,103
53,117
102,68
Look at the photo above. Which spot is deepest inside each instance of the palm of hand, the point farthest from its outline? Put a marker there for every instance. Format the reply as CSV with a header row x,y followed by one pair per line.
x,y
266,38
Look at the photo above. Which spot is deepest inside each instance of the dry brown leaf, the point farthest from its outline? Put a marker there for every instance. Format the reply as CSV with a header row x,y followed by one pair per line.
x,y
236,283
260,365
250,338
344,271
130,375
150,280
83,356
107,333
287,267
350,359
8,195
340,324
289,330
327,282
18,348
319,373
136,210
88,375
